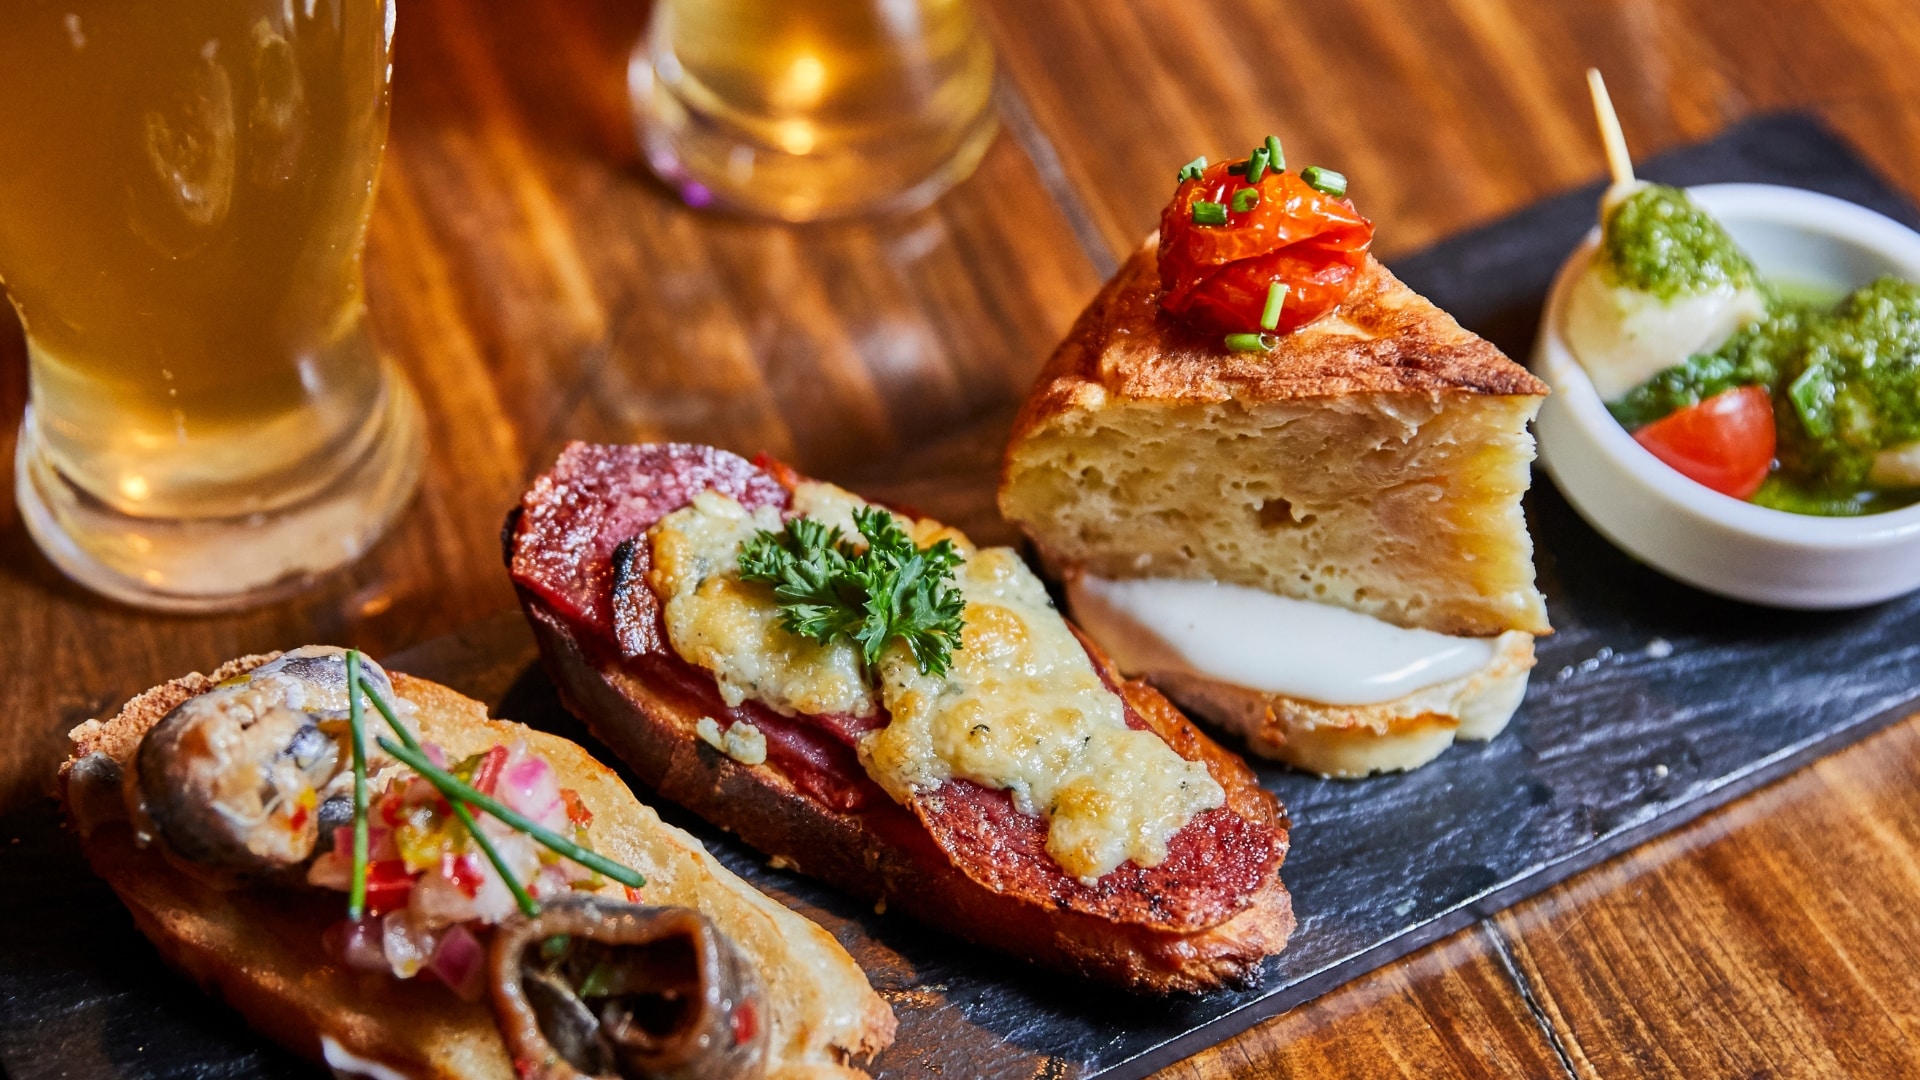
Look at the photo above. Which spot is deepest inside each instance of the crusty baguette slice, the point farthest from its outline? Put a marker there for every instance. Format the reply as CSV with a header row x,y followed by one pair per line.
x,y
260,948
1205,916
652,728
1375,460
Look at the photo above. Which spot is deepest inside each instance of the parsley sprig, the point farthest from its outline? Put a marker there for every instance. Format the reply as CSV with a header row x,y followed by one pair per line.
x,y
829,587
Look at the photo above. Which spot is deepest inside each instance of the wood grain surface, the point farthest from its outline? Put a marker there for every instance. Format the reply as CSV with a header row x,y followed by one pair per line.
x,y
538,286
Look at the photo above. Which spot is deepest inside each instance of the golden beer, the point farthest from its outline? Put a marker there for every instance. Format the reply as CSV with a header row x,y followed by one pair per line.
x,y
814,108
182,213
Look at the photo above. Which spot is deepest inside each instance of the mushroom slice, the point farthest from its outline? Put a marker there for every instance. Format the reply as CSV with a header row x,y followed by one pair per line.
x,y
598,988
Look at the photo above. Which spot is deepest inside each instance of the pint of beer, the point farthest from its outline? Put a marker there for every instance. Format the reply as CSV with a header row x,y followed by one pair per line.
x,y
182,214
805,109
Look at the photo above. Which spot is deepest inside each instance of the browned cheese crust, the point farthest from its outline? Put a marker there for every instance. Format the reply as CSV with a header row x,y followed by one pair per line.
x,y
260,948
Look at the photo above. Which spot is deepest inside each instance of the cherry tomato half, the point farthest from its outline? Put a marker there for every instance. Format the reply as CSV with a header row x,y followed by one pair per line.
x,y
1217,276
1725,442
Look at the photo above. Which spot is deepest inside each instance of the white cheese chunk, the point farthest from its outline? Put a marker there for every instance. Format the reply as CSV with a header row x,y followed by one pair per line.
x,y
1273,644
1623,336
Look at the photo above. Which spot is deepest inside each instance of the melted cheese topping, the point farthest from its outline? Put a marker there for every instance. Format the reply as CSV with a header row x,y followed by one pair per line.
x,y
1021,710
732,628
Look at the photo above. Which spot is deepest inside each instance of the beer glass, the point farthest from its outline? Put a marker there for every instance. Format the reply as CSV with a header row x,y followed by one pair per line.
x,y
805,109
182,212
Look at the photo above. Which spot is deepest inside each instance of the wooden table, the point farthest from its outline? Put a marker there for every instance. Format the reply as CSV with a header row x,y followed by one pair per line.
x,y
538,286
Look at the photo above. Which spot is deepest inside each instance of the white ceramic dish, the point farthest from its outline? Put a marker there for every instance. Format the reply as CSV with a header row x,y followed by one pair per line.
x,y
1706,539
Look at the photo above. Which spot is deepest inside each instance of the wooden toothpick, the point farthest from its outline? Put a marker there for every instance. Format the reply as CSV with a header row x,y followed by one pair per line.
x,y
1618,161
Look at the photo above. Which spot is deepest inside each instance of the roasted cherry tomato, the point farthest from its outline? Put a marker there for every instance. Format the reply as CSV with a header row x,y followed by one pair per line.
x,y
1217,276
1725,442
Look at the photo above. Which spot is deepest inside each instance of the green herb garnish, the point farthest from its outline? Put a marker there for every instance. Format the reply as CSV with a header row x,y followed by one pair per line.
x,y
1257,165
1209,213
1245,199
828,588
1192,169
357,731
1325,181
1276,160
1250,343
460,809
456,792
1276,300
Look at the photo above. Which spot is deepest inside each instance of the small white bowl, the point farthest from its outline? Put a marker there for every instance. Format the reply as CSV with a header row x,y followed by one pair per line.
x,y
1693,533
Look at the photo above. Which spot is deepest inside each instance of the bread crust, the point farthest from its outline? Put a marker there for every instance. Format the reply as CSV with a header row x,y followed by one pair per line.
x,y
651,729
1383,338
260,947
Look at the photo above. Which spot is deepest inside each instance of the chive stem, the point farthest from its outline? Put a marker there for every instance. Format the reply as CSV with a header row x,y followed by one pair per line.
x,y
1249,343
455,789
1276,299
1276,160
1192,169
1257,165
357,731
1245,199
460,809
1325,181
1209,213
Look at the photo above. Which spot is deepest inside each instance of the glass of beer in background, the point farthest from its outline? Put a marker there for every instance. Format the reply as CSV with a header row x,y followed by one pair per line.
x,y
182,213
805,109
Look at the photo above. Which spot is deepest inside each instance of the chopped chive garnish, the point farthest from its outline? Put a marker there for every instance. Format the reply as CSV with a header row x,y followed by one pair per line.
x,y
453,788
1209,213
1249,343
1257,165
1238,168
1191,170
1276,160
1325,181
460,810
1276,299
1245,199
357,731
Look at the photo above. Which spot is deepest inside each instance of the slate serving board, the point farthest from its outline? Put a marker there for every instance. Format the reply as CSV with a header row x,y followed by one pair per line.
x,y
1652,704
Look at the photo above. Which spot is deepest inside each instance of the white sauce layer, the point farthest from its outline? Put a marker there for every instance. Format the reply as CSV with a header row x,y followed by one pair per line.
x,y
1273,644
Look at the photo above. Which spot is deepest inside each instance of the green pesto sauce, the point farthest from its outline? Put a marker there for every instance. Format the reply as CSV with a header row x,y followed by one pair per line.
x,y
1845,384
1657,241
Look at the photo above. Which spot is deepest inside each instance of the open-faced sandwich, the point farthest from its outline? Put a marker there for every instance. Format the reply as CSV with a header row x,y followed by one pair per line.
x,y
392,883
874,700
1285,487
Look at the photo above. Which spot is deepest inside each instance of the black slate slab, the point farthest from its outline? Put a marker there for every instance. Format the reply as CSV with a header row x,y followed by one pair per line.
x,y
1652,704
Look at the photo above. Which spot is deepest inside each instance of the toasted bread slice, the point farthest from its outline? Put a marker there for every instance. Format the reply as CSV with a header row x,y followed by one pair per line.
x,y
260,948
964,860
1374,461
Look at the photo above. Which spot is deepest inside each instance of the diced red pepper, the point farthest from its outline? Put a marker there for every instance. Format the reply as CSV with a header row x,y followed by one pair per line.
x,y
464,871
487,774
577,811
633,895
388,885
745,1022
